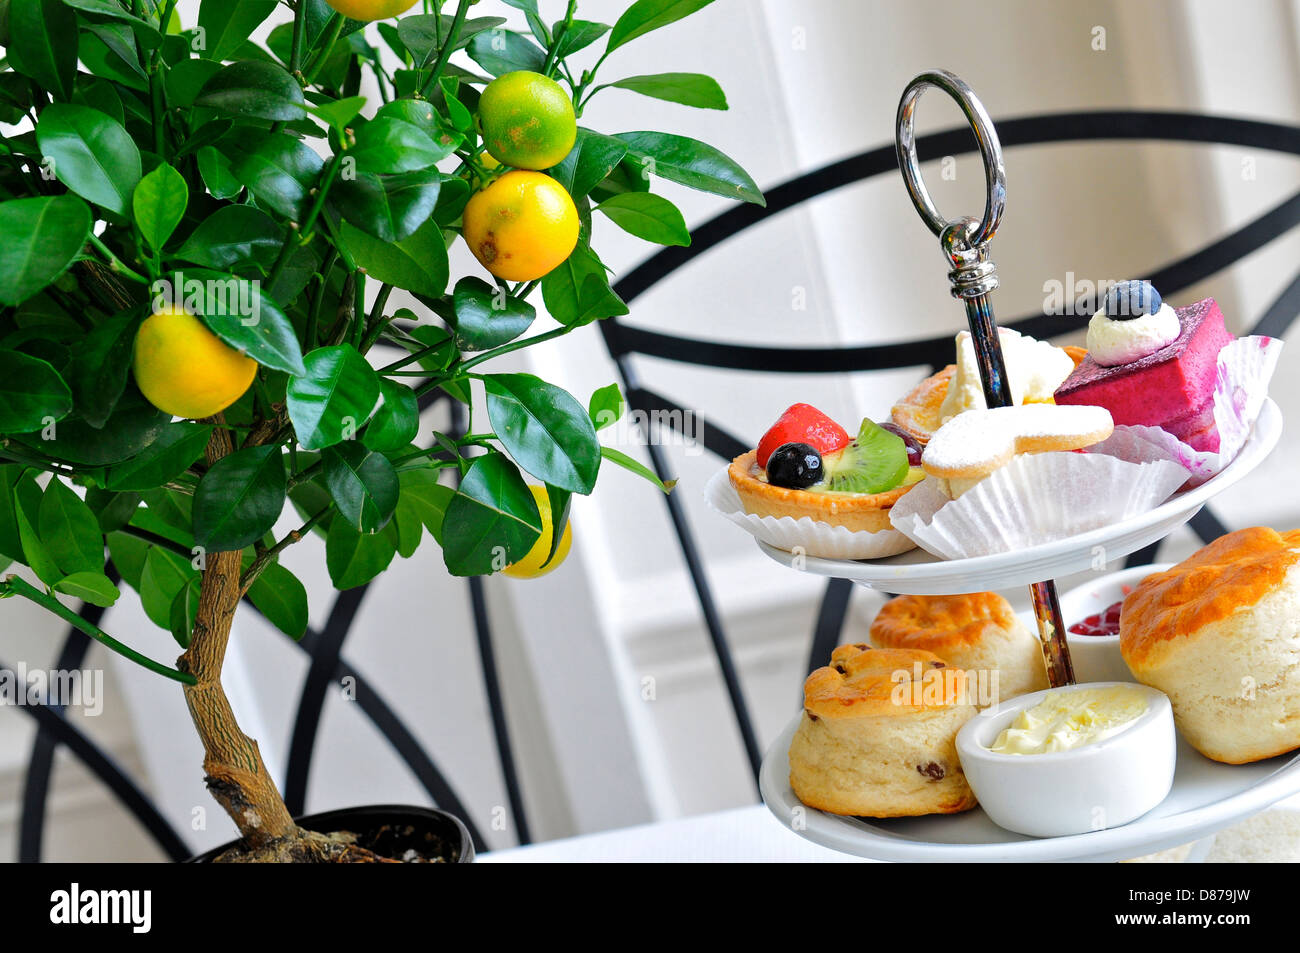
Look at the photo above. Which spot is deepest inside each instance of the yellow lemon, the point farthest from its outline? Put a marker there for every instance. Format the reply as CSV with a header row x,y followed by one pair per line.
x,y
521,226
527,120
186,370
367,10
534,562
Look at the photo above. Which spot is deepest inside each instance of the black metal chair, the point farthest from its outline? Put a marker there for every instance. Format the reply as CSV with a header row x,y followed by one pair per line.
x,y
625,342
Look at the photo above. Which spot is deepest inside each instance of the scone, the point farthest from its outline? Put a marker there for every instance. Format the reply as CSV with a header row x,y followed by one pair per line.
x,y
873,742
976,632
1219,633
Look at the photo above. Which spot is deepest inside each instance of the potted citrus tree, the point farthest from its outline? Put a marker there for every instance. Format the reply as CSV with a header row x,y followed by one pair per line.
x,y
201,238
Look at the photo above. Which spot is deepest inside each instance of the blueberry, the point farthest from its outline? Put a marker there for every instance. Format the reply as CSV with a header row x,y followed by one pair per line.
x,y
913,448
1131,299
795,466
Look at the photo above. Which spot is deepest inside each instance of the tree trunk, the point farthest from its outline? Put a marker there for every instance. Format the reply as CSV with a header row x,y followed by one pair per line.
x,y
236,776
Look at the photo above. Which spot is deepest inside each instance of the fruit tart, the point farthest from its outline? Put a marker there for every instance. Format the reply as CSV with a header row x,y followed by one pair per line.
x,y
808,465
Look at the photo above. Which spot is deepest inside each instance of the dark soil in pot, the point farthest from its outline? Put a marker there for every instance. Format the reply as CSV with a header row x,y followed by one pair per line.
x,y
394,832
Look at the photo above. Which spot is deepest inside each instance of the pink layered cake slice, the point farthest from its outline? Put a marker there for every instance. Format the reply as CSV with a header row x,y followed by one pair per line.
x,y
1171,388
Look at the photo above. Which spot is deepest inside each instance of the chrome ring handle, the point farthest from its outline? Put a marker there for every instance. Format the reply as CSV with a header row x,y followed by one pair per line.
x,y
995,173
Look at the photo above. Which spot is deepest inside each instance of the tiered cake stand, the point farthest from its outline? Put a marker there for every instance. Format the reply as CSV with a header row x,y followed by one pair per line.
x,y
1206,795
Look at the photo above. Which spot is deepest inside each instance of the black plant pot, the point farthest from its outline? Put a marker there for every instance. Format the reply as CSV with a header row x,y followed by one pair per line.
x,y
387,829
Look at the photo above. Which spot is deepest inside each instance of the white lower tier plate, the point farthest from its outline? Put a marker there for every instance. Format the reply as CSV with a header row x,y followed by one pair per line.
x,y
1206,797
920,573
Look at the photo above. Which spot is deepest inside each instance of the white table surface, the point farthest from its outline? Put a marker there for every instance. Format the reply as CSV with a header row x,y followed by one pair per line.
x,y
753,835
741,835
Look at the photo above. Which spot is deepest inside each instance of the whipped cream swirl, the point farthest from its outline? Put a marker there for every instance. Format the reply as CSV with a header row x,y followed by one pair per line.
x,y
1112,342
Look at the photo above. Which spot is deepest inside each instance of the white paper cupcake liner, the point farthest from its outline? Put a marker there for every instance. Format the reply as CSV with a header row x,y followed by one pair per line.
x,y
812,537
1036,498
1245,368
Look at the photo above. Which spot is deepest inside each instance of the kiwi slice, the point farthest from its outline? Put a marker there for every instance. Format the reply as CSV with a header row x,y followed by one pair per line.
x,y
873,463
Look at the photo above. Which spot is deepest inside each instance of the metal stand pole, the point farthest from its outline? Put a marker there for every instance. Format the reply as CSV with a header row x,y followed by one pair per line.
x,y
965,244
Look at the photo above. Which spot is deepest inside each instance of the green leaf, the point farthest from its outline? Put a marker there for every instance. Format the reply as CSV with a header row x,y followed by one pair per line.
x,y
110,51
42,237
255,90
397,421
133,425
217,174
561,502
280,170
239,499
606,406
186,79
578,292
179,445
646,15
452,198
280,596
417,264
234,234
98,365
692,163
70,531
419,34
129,554
591,159
11,545
159,204
353,558
487,317
389,207
147,32
647,216
580,35
688,89
544,429
112,510
410,531
458,112
426,501
47,47
227,24
491,521
333,398
362,483
184,612
635,466
164,576
31,393
93,155
337,113
236,310
92,587
628,176
386,145
35,554
500,51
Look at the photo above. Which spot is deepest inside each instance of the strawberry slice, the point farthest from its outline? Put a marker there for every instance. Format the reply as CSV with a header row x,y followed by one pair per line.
x,y
803,423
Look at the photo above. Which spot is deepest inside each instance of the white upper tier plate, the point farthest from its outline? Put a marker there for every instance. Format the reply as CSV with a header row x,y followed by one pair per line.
x,y
918,572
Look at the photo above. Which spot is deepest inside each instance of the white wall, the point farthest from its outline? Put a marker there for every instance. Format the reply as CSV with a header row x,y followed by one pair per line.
x,y
808,83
